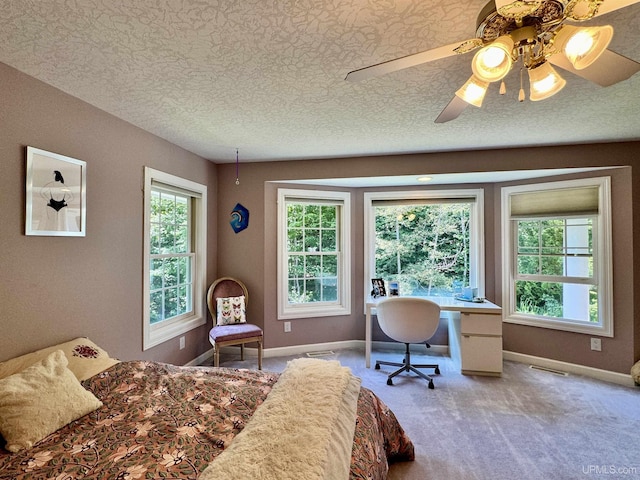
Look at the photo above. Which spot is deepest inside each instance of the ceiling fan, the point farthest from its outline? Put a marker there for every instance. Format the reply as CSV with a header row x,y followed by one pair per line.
x,y
534,34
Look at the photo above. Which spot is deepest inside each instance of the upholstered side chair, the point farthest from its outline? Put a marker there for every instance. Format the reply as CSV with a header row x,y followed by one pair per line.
x,y
408,320
227,299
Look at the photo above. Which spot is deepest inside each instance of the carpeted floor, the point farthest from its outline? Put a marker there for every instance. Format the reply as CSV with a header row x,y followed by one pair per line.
x,y
527,424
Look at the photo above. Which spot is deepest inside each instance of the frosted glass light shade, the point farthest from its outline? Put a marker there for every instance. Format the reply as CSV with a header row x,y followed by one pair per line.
x,y
544,82
583,45
492,62
473,91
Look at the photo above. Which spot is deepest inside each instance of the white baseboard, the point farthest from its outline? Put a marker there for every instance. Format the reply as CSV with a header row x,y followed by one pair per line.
x,y
604,375
311,347
279,351
314,347
200,359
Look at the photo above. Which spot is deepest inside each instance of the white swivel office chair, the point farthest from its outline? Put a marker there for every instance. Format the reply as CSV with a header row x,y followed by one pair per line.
x,y
408,320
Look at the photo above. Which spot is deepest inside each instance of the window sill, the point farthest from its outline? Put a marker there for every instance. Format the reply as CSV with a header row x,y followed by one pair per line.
x,y
564,325
163,334
316,311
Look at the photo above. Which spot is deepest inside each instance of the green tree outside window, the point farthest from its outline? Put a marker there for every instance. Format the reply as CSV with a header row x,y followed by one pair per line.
x,y
171,260
424,247
312,249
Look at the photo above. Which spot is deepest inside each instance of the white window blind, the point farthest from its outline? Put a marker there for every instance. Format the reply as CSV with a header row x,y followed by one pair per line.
x,y
564,201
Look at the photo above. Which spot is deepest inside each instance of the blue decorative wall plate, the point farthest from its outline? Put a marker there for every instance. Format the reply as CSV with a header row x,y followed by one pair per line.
x,y
239,218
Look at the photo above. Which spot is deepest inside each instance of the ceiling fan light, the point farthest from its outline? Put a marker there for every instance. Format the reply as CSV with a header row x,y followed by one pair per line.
x,y
583,45
544,82
492,62
473,91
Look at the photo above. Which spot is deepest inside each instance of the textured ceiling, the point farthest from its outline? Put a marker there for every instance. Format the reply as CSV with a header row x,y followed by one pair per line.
x,y
267,76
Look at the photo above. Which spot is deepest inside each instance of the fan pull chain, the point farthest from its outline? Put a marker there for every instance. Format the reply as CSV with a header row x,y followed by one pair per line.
x,y
521,93
237,169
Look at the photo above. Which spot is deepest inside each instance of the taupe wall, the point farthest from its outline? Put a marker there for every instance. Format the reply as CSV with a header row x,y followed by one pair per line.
x,y
55,288
251,254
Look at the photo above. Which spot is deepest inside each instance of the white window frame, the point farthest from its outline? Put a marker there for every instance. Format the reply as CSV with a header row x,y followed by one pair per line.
x,y
161,332
477,243
603,256
288,310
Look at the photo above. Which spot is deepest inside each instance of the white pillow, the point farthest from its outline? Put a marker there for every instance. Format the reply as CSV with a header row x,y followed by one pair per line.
x,y
230,310
40,400
85,358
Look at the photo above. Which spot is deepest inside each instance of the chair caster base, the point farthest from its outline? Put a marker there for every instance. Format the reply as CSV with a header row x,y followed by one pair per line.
x,y
389,381
377,367
437,371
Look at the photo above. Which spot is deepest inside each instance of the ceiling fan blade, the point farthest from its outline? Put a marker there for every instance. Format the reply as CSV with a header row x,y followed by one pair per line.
x,y
611,5
452,111
413,60
609,69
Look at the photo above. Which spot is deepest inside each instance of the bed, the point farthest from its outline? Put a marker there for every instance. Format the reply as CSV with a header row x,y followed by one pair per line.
x,y
156,420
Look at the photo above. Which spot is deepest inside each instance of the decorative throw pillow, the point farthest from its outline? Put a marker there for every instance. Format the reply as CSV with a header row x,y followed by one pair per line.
x,y
85,358
231,310
40,400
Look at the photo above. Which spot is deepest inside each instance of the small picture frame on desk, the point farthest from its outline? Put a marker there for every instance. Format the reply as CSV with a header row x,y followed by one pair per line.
x,y
378,288
394,289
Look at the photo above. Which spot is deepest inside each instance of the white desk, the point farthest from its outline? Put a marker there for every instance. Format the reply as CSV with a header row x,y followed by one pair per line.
x,y
475,336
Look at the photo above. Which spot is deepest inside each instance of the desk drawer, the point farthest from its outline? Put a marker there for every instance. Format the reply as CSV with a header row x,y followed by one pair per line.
x,y
481,354
480,324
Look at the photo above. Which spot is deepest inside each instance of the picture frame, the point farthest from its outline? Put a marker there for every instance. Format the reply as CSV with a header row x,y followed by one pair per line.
x,y
55,194
378,288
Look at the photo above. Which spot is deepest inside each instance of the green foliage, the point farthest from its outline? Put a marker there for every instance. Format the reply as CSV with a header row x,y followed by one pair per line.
x,y
424,247
546,299
541,247
171,262
553,248
539,298
312,243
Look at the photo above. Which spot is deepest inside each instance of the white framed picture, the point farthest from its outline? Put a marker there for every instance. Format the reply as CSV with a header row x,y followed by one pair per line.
x,y
55,194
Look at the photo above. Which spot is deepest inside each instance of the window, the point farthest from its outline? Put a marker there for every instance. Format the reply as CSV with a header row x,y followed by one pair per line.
x,y
174,256
313,253
557,255
430,241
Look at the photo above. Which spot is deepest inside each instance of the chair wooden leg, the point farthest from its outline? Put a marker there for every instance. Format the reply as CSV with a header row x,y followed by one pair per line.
x,y
242,351
216,356
259,354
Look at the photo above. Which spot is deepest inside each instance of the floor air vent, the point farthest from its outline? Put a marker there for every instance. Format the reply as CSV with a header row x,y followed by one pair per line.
x,y
549,370
321,353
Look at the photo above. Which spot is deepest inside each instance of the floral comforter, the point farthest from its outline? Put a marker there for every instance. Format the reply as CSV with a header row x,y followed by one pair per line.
x,y
163,421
